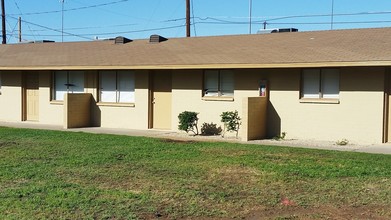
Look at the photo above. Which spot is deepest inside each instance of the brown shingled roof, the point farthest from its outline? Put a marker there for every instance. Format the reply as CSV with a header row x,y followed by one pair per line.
x,y
354,47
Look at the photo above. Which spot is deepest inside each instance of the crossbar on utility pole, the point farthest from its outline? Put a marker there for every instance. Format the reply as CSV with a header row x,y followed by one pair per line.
x,y
4,33
187,18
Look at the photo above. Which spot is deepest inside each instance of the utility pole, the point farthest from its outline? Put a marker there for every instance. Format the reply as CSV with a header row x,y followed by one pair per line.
x,y
62,20
187,18
4,33
20,29
332,14
250,9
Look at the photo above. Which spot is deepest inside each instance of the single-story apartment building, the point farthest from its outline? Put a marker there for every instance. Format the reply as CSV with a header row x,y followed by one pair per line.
x,y
323,85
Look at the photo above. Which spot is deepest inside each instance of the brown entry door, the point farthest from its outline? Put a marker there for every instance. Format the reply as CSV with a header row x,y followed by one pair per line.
x,y
31,96
161,100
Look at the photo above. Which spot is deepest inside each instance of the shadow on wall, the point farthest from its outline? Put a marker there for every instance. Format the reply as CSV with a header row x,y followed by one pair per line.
x,y
11,78
273,122
95,114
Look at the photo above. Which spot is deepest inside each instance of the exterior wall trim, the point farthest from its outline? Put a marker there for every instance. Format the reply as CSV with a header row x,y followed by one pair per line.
x,y
207,66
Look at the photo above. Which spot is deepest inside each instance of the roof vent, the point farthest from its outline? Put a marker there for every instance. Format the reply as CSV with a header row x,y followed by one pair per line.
x,y
277,30
156,38
121,40
40,41
281,30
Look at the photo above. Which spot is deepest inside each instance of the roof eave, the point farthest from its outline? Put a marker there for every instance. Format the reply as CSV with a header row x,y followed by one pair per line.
x,y
208,66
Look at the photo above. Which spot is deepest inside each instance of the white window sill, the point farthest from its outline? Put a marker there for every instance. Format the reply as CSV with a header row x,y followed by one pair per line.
x,y
113,104
218,98
56,102
320,101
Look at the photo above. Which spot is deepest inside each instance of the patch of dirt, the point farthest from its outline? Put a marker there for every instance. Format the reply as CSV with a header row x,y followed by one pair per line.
x,y
7,143
167,140
323,212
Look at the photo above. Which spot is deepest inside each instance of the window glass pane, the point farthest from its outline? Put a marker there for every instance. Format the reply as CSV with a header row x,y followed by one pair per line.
x,y
311,80
108,86
227,83
76,81
125,86
330,83
60,87
211,83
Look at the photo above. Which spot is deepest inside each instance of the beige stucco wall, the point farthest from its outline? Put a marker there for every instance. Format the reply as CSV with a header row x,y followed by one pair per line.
x,y
11,96
49,112
358,117
187,96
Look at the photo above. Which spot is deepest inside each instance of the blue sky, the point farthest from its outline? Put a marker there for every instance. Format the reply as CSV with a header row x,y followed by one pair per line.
x,y
138,19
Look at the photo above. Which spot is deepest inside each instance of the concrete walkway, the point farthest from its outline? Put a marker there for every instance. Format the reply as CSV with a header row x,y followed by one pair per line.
x,y
313,144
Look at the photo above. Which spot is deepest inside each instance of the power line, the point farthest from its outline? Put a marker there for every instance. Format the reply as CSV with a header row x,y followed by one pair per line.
x,y
282,17
28,26
91,27
218,23
12,31
338,22
52,29
192,12
112,12
290,23
72,9
123,32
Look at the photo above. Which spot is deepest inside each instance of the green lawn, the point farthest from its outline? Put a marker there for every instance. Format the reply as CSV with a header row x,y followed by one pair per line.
x,y
66,175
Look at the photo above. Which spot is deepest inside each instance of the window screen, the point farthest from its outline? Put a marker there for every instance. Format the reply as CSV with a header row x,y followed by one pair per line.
x,y
211,84
60,84
227,83
67,82
320,83
117,86
125,86
311,83
330,83
108,86
218,83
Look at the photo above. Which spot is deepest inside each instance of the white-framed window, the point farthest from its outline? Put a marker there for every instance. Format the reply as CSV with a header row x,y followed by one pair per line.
x,y
67,82
219,83
320,84
117,86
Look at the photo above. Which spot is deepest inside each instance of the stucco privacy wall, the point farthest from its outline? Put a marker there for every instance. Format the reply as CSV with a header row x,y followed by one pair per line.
x,y
254,118
11,96
187,95
358,117
77,110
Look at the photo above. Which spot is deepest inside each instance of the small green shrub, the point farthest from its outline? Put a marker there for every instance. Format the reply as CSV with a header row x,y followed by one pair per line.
x,y
231,121
280,137
188,122
210,129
